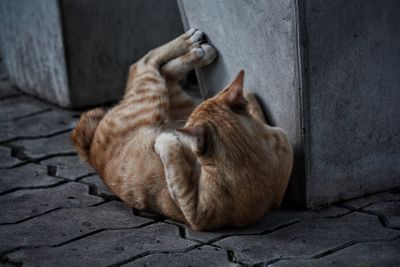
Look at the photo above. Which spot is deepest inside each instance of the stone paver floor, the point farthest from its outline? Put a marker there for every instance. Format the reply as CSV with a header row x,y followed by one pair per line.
x,y
55,211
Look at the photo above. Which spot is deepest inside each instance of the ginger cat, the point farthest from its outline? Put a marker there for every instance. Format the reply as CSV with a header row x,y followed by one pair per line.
x,y
226,167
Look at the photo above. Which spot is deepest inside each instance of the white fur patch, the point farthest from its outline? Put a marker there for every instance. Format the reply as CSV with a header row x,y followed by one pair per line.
x,y
164,141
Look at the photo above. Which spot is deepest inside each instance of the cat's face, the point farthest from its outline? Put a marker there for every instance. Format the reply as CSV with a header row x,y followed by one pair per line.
x,y
216,129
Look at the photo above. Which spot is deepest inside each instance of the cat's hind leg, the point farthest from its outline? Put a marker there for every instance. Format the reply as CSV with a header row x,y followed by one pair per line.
x,y
197,57
181,105
173,49
150,64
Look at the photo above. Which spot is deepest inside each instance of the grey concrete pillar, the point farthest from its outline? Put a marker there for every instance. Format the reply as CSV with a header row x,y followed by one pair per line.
x,y
327,72
77,53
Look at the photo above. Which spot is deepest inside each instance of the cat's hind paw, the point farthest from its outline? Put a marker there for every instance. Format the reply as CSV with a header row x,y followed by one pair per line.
x,y
210,53
194,38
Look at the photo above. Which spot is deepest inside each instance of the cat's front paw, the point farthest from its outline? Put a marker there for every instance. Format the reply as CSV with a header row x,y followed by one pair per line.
x,y
164,142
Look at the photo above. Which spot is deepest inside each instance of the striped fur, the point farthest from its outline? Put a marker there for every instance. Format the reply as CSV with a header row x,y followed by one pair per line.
x,y
225,167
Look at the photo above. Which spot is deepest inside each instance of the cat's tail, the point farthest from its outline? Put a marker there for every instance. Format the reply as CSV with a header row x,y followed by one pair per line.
x,y
82,135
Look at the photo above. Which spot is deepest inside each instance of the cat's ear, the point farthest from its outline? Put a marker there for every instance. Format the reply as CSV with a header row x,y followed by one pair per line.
x,y
196,135
233,95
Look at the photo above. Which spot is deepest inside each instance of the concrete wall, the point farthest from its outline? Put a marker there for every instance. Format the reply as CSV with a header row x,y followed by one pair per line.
x,y
261,38
328,73
103,38
32,47
354,95
77,53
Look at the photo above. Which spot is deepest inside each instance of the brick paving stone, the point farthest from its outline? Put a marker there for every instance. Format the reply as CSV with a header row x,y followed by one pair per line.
x,y
39,125
17,107
27,176
6,160
368,200
202,256
389,211
6,90
272,221
44,147
65,224
22,204
366,254
69,167
99,187
307,238
105,248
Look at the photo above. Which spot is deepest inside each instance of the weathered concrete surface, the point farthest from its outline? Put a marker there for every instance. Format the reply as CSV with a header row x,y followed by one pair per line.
x,y
69,167
360,203
65,224
32,46
327,73
37,126
308,238
23,204
6,160
121,245
77,53
6,90
273,221
202,256
389,212
98,187
361,254
103,40
20,107
353,63
44,147
25,177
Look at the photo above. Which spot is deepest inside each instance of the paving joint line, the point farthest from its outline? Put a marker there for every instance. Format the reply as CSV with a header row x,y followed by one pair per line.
x,y
7,252
327,252
46,110
22,138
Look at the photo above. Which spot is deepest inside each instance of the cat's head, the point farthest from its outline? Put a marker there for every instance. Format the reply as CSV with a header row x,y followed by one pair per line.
x,y
219,128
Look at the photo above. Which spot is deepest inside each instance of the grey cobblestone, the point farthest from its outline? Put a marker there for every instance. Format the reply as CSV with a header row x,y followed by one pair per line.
x,y
272,221
6,90
27,176
6,160
366,254
44,147
365,201
307,238
23,204
202,256
66,224
106,248
98,186
69,167
18,107
36,126
388,211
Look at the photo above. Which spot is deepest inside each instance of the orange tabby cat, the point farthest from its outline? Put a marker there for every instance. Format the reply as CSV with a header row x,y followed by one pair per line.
x,y
225,167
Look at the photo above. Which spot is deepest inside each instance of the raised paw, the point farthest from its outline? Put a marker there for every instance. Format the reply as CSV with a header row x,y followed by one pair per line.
x,y
164,142
210,53
194,38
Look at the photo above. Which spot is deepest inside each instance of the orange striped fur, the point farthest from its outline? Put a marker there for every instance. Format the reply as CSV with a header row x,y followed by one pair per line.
x,y
225,167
